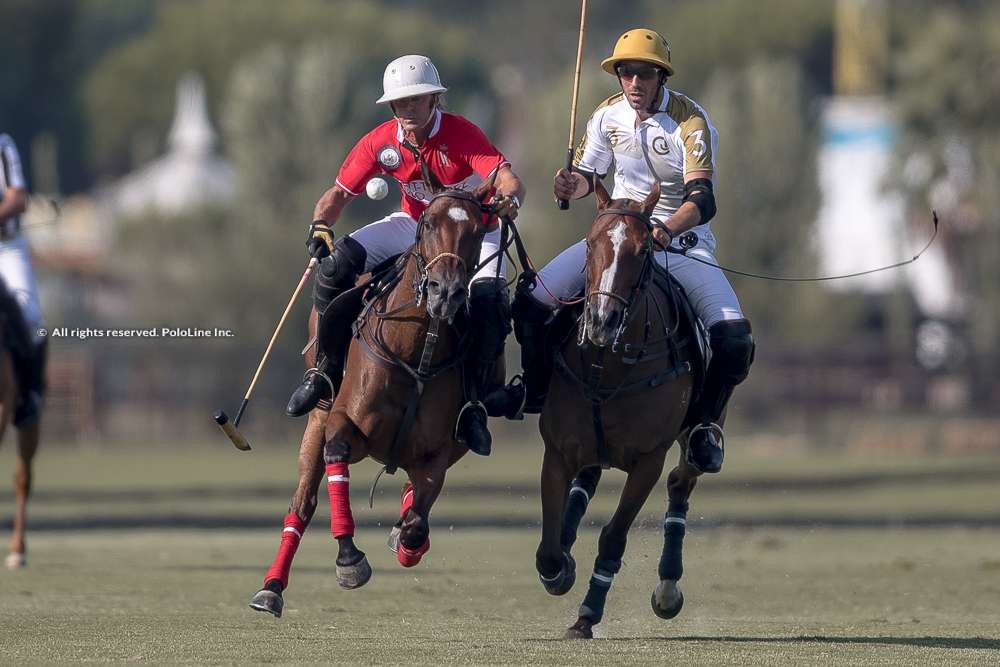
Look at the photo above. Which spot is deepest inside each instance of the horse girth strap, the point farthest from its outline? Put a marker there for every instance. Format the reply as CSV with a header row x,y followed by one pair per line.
x,y
410,414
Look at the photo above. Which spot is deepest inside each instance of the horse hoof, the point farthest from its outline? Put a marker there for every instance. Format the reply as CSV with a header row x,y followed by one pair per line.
x,y
354,576
667,600
394,540
15,561
562,582
268,601
409,557
579,630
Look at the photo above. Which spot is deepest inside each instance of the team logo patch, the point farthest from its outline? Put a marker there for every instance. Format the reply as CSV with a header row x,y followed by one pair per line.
x,y
389,157
660,146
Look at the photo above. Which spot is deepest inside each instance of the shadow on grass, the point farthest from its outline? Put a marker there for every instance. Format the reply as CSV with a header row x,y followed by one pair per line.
x,y
923,642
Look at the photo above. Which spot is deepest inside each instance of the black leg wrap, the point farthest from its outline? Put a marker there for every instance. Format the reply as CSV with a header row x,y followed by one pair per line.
x,y
674,523
531,325
581,491
597,593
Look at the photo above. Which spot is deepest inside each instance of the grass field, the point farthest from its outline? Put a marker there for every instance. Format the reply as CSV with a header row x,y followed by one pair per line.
x,y
909,575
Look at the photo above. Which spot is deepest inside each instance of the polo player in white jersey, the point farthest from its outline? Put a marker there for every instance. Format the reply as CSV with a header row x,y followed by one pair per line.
x,y
650,133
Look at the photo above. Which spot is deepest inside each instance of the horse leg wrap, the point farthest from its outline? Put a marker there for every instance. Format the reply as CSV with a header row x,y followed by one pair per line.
x,y
409,557
600,583
338,484
674,523
290,537
406,499
582,489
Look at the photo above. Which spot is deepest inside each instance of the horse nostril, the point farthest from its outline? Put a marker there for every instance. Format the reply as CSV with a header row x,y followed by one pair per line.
x,y
459,296
433,286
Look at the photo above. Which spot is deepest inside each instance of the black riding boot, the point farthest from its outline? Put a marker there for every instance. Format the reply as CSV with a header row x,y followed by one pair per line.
x,y
28,358
489,315
531,327
337,273
732,354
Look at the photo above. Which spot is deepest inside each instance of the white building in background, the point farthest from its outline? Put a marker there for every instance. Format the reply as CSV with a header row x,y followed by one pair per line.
x,y
189,175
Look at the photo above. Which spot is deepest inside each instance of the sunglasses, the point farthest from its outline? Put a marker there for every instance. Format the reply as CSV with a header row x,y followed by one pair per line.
x,y
644,72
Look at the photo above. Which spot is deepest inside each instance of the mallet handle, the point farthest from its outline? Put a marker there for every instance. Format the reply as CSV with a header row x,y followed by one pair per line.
x,y
564,203
277,330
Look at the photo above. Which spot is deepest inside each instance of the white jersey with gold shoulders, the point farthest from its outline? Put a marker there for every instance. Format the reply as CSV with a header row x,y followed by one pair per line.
x,y
675,141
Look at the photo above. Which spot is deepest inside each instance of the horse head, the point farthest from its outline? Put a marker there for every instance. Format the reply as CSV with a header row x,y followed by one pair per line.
x,y
449,236
618,246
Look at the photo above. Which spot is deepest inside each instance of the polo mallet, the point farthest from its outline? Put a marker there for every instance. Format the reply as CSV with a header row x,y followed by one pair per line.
x,y
564,203
221,418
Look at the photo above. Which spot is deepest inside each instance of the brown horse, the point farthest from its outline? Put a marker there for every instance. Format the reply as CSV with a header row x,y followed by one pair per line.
x,y
27,445
401,393
619,399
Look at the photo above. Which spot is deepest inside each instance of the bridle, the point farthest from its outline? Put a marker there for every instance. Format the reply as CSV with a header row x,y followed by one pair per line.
x,y
645,275
424,266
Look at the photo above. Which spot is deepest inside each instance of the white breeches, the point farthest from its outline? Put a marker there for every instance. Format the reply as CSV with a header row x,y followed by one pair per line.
x,y
710,293
15,268
394,233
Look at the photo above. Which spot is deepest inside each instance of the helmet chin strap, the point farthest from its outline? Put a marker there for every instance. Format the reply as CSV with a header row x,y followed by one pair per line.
x,y
430,116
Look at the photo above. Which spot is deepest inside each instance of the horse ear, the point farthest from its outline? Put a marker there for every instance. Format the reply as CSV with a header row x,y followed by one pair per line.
x,y
484,188
601,193
430,180
652,200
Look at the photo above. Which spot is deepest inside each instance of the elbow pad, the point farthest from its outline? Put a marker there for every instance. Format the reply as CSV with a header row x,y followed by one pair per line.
x,y
700,192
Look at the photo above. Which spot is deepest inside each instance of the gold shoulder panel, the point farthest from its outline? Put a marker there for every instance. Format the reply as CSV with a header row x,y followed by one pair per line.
x,y
582,146
695,132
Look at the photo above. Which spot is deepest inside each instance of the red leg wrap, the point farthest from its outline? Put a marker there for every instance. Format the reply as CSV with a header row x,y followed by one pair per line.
x,y
406,498
408,557
290,537
338,484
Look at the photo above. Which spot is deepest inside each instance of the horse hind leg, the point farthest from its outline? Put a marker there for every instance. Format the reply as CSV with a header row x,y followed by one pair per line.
x,y
667,598
415,507
581,491
27,445
614,536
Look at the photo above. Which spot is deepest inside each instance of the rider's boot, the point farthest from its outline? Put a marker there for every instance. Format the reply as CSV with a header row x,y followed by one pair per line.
x,y
29,360
531,326
732,353
489,316
337,273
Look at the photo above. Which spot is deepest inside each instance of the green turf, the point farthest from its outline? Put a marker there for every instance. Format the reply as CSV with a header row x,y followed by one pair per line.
x,y
851,597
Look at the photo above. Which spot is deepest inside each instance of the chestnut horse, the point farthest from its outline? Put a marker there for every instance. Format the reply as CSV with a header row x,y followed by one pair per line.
x,y
27,445
618,398
401,392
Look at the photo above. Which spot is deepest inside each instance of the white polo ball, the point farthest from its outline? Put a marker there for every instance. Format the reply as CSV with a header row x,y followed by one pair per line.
x,y
377,188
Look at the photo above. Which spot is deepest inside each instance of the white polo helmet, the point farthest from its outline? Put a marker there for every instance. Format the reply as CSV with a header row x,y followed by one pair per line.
x,y
408,76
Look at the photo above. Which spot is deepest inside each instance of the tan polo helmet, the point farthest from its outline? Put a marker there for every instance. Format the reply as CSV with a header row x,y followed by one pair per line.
x,y
641,44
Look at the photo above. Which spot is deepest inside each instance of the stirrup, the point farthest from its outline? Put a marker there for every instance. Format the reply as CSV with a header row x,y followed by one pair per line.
x,y
470,405
518,380
719,437
323,404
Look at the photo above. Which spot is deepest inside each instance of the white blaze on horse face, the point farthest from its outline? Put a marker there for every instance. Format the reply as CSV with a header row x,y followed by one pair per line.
x,y
458,214
617,236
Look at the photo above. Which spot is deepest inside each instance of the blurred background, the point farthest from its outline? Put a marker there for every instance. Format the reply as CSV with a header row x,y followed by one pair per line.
x,y
186,143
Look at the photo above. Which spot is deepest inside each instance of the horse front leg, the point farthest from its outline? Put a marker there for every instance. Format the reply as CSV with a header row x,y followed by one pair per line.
x,y
300,513
667,598
353,570
419,495
581,490
27,445
556,567
611,547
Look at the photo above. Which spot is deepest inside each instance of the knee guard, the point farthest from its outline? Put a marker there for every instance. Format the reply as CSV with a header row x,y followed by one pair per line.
x,y
732,350
490,314
338,271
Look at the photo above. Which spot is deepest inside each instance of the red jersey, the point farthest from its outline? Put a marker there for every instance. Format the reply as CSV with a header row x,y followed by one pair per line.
x,y
456,151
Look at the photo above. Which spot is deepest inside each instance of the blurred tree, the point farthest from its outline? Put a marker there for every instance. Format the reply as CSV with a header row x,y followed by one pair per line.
x,y
947,90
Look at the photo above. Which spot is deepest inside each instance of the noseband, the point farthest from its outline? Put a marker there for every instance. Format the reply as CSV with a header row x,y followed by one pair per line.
x,y
424,266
